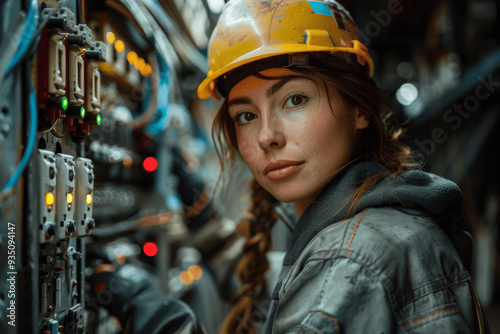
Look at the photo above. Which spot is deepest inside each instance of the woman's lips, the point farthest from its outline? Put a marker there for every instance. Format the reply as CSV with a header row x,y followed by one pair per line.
x,y
282,168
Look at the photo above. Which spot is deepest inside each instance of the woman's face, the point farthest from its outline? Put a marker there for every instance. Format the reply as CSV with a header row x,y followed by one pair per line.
x,y
291,135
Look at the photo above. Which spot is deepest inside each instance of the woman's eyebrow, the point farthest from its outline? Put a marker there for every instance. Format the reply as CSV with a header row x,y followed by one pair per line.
x,y
269,92
280,83
239,100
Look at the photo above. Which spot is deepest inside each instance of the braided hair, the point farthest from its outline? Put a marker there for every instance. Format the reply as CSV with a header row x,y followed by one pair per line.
x,y
254,264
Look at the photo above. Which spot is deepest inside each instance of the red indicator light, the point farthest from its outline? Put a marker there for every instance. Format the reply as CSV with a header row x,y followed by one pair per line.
x,y
150,164
99,286
150,249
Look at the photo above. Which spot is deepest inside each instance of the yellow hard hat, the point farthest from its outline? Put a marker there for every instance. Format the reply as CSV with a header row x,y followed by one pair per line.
x,y
254,33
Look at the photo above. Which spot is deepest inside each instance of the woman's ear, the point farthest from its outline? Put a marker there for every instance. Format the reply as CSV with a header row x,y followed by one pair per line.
x,y
362,119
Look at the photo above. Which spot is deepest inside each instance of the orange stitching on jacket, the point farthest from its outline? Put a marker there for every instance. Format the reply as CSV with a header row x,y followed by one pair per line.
x,y
431,315
332,319
354,232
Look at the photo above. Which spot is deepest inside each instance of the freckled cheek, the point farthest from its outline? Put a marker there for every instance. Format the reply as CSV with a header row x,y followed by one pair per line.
x,y
316,135
249,152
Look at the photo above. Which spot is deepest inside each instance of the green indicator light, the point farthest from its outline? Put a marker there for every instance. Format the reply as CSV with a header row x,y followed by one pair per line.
x,y
82,112
98,119
64,103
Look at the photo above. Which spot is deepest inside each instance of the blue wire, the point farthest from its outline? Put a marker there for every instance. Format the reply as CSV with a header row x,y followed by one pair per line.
x,y
162,115
26,38
23,47
31,143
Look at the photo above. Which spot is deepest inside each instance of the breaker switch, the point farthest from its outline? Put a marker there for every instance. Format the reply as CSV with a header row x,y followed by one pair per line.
x,y
84,190
76,71
46,179
65,195
57,65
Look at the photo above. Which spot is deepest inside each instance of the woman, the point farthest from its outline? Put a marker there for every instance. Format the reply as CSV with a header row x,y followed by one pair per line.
x,y
377,247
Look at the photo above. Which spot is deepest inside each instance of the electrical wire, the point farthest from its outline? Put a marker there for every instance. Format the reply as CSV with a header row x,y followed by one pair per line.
x,y
10,43
167,79
29,147
138,14
181,42
49,129
148,115
27,36
17,49
58,135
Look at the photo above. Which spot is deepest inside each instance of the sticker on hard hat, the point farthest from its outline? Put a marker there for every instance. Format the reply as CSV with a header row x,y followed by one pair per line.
x,y
320,8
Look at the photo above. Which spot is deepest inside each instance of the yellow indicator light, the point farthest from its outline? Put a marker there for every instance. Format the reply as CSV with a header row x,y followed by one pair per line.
x,y
140,64
69,198
110,37
132,57
88,199
119,46
49,198
186,277
196,271
146,71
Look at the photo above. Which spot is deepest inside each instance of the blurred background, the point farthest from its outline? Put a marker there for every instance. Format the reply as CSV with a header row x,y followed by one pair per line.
x,y
106,153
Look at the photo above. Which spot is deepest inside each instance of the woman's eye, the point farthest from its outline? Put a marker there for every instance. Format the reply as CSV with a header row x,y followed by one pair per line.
x,y
244,117
296,100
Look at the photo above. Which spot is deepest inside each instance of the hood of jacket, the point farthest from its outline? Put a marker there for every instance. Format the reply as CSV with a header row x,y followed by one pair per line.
x,y
413,189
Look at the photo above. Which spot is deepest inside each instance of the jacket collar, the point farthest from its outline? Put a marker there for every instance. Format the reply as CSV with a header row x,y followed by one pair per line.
x,y
412,189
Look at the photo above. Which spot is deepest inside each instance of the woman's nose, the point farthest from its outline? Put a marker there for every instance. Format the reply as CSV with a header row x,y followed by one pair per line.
x,y
271,134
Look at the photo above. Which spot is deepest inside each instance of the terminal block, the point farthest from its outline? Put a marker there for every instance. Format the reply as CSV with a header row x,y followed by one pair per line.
x,y
97,51
82,37
65,196
76,91
84,190
93,88
60,18
53,60
85,33
57,65
92,55
46,176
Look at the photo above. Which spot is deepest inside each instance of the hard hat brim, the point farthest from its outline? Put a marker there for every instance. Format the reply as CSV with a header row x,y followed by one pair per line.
x,y
207,87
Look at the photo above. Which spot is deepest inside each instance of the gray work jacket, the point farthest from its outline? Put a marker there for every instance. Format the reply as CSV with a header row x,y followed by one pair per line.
x,y
386,270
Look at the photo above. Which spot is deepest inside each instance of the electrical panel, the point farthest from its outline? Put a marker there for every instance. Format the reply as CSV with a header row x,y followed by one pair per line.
x,y
92,109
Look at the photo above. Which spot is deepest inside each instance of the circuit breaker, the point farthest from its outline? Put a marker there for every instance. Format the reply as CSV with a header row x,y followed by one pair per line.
x,y
47,174
65,196
57,64
84,190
